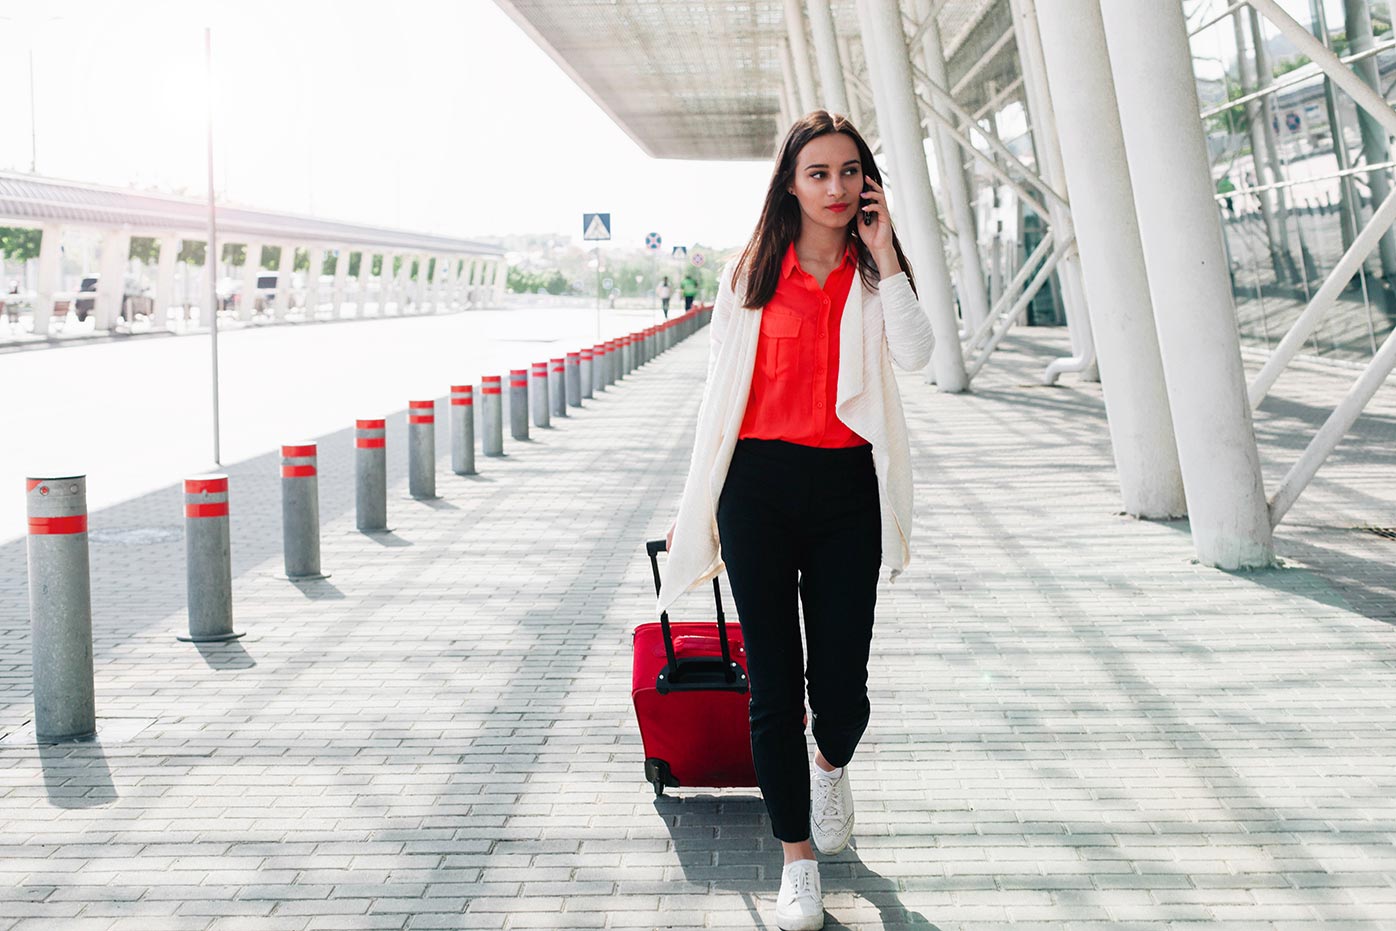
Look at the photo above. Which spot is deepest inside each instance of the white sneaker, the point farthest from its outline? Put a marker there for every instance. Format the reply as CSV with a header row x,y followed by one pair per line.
x,y
831,811
800,906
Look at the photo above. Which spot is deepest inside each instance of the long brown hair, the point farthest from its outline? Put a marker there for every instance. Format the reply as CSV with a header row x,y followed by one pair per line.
x,y
780,217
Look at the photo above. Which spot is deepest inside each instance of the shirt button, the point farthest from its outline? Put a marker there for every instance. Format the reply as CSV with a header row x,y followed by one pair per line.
x,y
822,334
819,405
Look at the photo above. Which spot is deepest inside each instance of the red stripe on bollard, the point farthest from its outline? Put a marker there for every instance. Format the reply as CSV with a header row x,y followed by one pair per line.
x,y
370,424
218,509
195,486
558,365
42,526
297,471
421,418
488,390
292,452
421,404
462,402
369,442
586,354
31,484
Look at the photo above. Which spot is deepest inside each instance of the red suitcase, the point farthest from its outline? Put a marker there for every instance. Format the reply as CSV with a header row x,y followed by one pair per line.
x,y
691,699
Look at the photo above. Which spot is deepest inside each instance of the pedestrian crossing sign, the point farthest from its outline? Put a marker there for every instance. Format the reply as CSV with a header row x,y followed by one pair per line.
x,y
596,226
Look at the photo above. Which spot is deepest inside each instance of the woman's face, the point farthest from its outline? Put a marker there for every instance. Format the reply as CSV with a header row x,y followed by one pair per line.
x,y
828,180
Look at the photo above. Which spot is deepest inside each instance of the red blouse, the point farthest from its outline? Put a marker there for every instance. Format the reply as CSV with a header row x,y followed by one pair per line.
x,y
795,382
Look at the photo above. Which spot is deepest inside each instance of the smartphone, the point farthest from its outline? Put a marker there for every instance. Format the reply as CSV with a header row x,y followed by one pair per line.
x,y
863,202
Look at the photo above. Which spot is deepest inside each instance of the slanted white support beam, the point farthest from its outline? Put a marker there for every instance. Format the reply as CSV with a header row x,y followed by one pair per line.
x,y
974,295
312,282
1333,430
1112,258
1323,300
1190,284
341,276
165,281
787,74
969,76
251,267
833,95
111,283
800,55
917,215
999,325
1341,75
50,275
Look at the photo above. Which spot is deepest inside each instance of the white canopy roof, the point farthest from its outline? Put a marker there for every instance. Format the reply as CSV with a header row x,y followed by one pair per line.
x,y
702,79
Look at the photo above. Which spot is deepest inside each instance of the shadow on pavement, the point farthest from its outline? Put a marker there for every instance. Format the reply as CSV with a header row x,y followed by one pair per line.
x,y
227,654
76,774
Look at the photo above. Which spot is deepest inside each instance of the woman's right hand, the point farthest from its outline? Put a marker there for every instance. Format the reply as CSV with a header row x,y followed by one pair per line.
x,y
669,538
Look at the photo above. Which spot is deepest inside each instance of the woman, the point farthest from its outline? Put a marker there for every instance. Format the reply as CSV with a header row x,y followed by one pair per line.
x,y
800,482
664,292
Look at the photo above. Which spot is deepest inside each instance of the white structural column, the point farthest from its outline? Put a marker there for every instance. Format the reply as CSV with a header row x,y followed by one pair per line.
x,y
855,103
1045,140
1181,233
341,275
833,94
897,107
284,268
799,52
387,283
50,267
472,282
111,285
974,296
423,266
251,266
403,285
364,282
312,281
792,93
165,281
1112,258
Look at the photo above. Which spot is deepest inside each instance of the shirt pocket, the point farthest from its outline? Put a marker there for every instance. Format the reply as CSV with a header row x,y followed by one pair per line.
x,y
779,349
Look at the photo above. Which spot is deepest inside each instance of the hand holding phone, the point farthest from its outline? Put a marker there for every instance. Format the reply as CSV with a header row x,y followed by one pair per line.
x,y
863,202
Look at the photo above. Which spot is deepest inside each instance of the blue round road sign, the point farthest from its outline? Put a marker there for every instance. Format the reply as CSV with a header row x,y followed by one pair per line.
x,y
653,241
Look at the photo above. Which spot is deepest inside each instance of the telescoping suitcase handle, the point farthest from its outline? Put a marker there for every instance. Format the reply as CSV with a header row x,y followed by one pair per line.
x,y
730,674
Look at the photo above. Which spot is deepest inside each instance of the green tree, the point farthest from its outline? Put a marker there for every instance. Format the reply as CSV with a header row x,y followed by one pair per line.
x,y
20,244
146,249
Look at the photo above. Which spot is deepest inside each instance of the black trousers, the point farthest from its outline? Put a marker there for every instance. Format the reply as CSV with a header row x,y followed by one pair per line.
x,y
801,526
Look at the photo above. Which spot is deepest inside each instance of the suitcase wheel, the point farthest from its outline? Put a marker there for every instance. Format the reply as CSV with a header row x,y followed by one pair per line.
x,y
658,775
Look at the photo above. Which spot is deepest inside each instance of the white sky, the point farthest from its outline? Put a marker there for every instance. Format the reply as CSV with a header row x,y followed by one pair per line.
x,y
433,115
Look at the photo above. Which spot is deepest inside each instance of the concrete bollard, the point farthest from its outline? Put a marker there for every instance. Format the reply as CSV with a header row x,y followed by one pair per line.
x,y
624,356
572,379
300,512
538,394
371,475
612,361
598,367
421,450
557,391
586,368
518,403
60,608
463,429
208,560
491,416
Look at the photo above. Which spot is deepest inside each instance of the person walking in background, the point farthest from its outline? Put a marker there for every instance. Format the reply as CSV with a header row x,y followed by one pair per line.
x,y
690,290
800,479
665,292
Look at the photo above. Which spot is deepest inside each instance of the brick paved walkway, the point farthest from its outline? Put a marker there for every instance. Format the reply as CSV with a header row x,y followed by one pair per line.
x,y
1074,726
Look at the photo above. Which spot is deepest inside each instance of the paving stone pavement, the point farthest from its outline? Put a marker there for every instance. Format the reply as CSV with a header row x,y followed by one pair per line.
x,y
1074,725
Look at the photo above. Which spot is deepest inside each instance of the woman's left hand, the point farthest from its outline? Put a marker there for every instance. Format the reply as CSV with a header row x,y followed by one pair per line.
x,y
878,236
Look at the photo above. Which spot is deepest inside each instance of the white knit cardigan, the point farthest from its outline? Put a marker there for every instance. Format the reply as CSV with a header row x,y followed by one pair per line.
x,y
879,327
